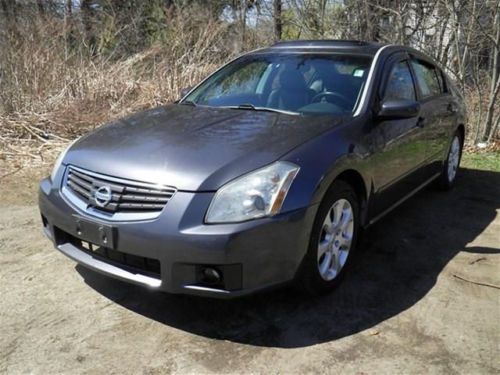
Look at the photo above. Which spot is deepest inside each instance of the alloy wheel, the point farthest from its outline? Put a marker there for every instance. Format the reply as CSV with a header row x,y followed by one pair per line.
x,y
335,239
453,158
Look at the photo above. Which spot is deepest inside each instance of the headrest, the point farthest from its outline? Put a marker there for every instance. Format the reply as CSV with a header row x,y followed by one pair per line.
x,y
292,79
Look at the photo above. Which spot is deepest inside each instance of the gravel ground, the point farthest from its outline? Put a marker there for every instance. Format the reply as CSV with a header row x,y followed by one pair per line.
x,y
421,299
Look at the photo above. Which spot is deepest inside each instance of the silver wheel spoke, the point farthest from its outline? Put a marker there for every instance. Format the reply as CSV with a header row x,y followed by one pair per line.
x,y
346,218
325,264
328,224
346,241
323,248
343,256
337,213
336,261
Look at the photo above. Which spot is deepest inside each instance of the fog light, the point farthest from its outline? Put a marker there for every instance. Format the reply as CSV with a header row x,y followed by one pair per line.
x,y
211,276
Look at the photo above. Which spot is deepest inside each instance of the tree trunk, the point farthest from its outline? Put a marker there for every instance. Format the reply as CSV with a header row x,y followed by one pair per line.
x,y
495,83
87,13
277,5
243,22
41,8
495,129
488,126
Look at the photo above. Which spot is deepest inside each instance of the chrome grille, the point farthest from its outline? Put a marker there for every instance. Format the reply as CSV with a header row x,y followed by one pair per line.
x,y
126,196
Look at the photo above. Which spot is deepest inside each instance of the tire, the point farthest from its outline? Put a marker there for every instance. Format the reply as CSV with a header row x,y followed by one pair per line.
x,y
448,176
315,276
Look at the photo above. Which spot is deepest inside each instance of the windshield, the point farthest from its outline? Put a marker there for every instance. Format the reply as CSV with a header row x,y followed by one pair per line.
x,y
292,83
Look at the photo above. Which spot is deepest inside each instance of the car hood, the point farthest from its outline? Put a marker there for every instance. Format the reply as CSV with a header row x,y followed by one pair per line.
x,y
193,148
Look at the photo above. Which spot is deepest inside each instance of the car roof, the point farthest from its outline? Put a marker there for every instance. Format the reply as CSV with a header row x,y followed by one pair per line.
x,y
325,45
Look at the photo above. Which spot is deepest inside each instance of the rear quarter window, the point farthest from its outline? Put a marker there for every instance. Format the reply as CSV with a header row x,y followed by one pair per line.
x,y
442,81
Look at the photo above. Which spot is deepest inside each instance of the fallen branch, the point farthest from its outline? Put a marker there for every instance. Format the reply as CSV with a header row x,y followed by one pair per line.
x,y
32,132
477,282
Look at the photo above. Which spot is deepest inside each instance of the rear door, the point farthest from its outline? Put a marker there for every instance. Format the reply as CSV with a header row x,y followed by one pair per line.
x,y
438,111
399,153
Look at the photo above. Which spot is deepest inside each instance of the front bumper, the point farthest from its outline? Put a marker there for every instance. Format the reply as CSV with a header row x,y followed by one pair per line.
x,y
250,256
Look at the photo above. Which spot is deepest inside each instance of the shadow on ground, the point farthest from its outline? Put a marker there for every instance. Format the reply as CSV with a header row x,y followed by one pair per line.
x,y
398,263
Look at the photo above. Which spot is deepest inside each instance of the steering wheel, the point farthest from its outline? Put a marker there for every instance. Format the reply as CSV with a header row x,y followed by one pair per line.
x,y
344,101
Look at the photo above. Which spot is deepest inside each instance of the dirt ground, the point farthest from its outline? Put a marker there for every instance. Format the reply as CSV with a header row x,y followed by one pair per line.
x,y
421,299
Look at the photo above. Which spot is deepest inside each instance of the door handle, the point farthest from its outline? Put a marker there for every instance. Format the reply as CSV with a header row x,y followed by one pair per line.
x,y
421,122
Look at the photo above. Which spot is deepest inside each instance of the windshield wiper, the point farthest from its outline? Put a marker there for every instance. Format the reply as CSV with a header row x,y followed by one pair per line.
x,y
251,107
188,102
247,106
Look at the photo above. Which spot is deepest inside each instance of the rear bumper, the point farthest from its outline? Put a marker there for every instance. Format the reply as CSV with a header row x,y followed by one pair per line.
x,y
250,256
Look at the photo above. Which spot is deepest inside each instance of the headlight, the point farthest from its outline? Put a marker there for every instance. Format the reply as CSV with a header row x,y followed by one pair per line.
x,y
256,194
59,161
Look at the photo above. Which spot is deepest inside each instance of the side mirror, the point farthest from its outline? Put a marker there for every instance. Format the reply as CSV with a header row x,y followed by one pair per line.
x,y
185,91
398,109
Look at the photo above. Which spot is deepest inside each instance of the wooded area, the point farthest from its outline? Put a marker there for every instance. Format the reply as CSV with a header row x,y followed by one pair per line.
x,y
67,65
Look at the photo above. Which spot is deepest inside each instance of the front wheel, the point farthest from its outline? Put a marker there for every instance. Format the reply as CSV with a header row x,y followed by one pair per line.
x,y
332,242
452,163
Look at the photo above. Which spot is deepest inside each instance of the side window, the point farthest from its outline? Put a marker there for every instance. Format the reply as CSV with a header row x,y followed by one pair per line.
x,y
400,83
427,78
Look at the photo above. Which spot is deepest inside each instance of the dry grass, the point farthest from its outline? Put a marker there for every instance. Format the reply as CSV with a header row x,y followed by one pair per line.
x,y
49,95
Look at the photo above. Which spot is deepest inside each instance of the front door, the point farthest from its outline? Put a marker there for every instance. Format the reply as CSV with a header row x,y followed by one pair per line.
x,y
400,147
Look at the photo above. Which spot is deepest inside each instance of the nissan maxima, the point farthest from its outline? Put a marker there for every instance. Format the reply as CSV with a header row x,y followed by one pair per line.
x,y
261,175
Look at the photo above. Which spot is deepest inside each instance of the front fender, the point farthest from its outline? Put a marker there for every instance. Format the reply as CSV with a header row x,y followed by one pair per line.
x,y
323,159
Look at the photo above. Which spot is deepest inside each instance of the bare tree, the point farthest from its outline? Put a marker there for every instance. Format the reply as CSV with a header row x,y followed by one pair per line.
x,y
277,16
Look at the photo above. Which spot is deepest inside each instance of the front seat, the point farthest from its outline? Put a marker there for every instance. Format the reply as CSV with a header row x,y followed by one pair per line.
x,y
292,93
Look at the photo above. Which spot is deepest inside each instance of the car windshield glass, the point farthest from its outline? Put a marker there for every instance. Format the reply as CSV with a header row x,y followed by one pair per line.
x,y
289,83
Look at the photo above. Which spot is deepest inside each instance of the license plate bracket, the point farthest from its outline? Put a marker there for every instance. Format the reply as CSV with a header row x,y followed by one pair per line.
x,y
95,232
